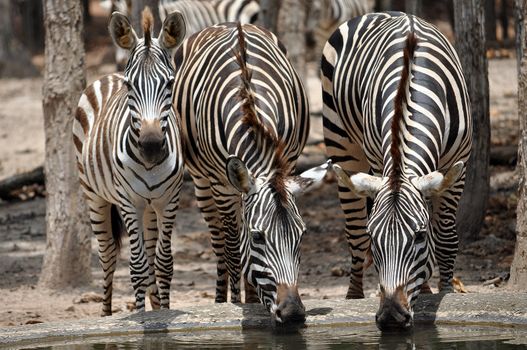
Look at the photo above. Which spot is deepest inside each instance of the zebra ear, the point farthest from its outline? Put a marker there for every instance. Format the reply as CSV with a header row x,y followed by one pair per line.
x,y
362,184
238,175
308,180
173,31
123,35
435,183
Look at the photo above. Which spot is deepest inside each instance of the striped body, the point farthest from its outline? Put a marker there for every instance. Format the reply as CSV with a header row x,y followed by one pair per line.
x,y
406,120
130,162
238,96
203,13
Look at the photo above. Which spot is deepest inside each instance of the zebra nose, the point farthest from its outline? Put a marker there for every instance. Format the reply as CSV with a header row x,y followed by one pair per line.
x,y
393,313
290,309
152,145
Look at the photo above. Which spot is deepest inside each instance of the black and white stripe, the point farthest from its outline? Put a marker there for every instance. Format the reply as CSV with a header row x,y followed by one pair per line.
x,y
396,107
245,121
130,159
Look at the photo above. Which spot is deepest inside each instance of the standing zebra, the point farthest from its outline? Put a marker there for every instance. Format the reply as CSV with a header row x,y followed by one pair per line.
x,y
396,106
130,159
245,120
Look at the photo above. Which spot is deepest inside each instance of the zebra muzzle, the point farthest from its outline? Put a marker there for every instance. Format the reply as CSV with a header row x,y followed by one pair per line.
x,y
290,309
152,143
394,312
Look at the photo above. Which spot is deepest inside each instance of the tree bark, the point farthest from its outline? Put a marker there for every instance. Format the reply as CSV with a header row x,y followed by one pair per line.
x,y
68,252
413,7
268,16
470,43
138,7
15,61
518,277
292,32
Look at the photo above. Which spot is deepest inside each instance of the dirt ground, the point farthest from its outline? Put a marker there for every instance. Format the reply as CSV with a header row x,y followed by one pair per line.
x,y
325,259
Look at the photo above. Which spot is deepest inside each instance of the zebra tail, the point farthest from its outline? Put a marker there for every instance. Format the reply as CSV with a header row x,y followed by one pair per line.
x,y
118,229
398,116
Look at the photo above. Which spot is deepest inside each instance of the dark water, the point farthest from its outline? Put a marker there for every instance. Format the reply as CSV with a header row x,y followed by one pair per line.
x,y
352,337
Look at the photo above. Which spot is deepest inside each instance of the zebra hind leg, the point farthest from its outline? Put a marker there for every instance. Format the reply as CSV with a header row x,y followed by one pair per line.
x,y
210,213
445,235
150,238
108,247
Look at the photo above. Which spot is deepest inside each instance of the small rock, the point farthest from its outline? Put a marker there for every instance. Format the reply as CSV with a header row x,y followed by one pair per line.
x,y
337,271
130,305
116,309
33,321
206,295
71,308
191,283
89,297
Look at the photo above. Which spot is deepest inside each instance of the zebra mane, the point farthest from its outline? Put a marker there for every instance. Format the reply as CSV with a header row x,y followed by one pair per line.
x,y
147,22
398,117
250,117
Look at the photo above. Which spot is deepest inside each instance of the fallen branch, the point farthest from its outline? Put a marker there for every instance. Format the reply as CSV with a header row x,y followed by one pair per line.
x,y
15,182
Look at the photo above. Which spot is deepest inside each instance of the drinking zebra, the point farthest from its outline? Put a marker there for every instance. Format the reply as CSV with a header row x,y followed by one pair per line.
x,y
245,120
130,159
397,119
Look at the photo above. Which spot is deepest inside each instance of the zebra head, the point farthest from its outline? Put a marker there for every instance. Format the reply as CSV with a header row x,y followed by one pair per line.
x,y
271,233
401,235
149,77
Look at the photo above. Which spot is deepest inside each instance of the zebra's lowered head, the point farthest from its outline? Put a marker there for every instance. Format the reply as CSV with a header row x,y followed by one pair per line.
x,y
271,233
149,78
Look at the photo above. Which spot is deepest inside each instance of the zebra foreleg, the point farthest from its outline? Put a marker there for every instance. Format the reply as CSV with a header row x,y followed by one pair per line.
x,y
150,237
100,218
164,258
228,205
445,235
139,269
210,213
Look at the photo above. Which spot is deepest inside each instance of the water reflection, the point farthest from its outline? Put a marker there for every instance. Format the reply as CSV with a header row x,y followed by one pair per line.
x,y
344,337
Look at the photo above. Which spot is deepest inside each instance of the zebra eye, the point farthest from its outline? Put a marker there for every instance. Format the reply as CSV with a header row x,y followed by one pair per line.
x,y
257,237
420,236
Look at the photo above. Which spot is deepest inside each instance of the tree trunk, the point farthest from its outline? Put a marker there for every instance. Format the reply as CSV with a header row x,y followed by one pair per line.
x,y
68,251
268,16
490,22
383,5
413,7
138,7
14,59
292,33
470,43
518,279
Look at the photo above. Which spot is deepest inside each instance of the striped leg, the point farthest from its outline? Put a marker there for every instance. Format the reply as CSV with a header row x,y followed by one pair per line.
x,y
139,269
100,218
164,258
208,208
150,236
228,205
250,293
445,235
351,158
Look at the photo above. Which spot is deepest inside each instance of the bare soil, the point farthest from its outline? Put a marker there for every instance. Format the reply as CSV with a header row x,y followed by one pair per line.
x,y
325,258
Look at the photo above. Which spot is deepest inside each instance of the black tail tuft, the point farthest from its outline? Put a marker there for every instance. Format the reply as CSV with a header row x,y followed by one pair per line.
x,y
118,229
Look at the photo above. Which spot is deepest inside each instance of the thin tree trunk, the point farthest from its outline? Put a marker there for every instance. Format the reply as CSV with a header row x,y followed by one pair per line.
x,y
413,7
490,21
292,33
15,60
268,16
470,43
518,279
68,252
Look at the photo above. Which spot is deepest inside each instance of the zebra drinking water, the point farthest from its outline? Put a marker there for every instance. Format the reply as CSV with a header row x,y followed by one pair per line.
x,y
130,159
397,119
245,120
